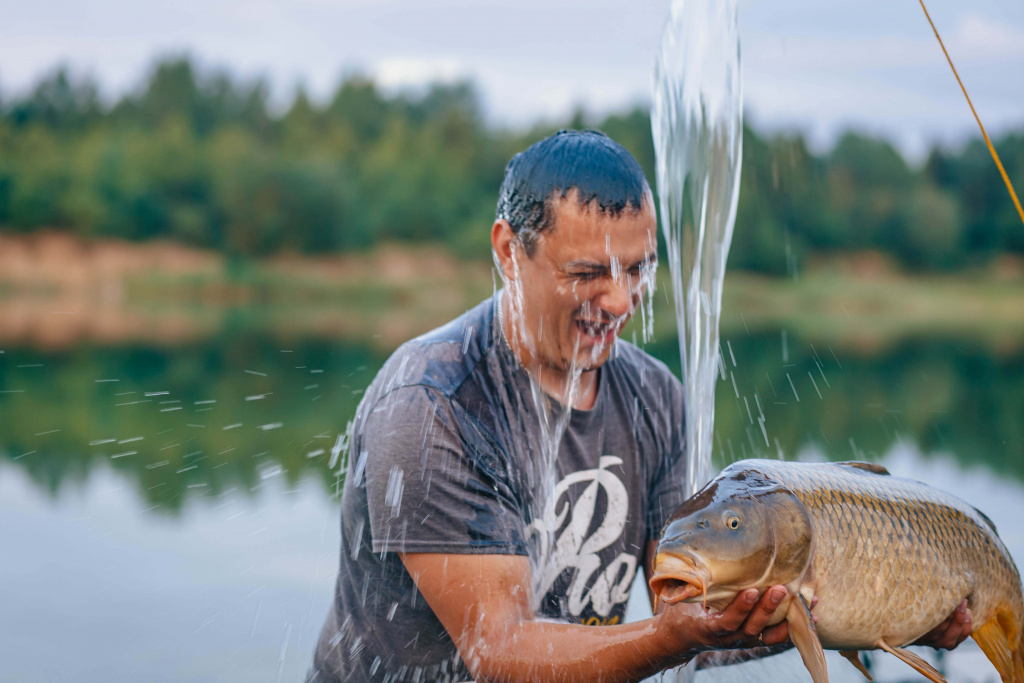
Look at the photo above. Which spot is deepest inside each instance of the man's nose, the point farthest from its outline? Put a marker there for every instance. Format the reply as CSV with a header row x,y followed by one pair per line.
x,y
617,297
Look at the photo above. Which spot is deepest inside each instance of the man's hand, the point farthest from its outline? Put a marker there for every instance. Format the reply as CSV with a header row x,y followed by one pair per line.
x,y
483,602
736,627
951,632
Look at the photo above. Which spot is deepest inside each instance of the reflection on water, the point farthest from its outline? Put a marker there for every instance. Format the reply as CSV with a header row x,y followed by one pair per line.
x,y
236,412
181,520
945,396
96,590
183,423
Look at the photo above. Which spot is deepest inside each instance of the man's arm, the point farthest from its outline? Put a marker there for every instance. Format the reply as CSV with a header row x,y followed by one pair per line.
x,y
483,601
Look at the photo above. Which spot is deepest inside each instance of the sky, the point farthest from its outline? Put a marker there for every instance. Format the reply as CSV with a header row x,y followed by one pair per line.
x,y
818,67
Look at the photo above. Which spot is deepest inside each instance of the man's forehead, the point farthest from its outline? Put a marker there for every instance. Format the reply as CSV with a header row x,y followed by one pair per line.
x,y
599,253
606,254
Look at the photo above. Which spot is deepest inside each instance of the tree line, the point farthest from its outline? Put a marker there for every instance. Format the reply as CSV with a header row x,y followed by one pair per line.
x,y
203,157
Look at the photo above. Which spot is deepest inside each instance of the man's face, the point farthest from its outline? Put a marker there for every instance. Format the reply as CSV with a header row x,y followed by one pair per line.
x,y
583,282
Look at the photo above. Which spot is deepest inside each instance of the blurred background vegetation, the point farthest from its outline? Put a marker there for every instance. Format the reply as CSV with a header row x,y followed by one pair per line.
x,y
177,264
204,158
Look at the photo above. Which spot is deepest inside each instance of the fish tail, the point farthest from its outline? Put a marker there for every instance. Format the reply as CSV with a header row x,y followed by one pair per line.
x,y
1002,641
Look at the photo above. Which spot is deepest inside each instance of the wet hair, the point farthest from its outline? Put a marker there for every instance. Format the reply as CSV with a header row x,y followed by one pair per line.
x,y
598,168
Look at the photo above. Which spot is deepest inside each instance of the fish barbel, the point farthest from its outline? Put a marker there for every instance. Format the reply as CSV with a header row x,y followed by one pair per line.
x,y
889,558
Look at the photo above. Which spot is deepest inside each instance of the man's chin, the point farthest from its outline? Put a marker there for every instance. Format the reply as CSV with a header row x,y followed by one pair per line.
x,y
594,357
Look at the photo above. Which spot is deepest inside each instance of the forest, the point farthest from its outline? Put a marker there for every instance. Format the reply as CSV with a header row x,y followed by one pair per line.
x,y
207,159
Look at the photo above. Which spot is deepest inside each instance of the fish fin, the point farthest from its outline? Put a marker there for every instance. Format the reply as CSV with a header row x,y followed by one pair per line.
x,y
866,466
805,637
854,657
923,667
1018,664
991,638
1018,657
987,520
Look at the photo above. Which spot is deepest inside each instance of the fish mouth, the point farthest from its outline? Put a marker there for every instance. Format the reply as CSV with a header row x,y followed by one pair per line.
x,y
679,579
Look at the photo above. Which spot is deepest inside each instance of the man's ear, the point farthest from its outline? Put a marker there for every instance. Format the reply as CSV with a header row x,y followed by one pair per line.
x,y
503,241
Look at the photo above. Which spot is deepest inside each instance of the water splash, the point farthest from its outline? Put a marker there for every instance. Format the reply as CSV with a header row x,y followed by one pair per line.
x,y
553,414
697,122
554,393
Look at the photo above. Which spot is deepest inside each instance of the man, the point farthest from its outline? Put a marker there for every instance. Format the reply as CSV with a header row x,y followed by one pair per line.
x,y
510,472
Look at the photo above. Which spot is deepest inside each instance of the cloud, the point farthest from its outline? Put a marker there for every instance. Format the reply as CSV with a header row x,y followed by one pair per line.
x,y
411,72
816,64
976,37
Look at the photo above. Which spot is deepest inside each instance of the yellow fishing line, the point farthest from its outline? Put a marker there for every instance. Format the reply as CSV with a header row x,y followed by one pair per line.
x,y
991,149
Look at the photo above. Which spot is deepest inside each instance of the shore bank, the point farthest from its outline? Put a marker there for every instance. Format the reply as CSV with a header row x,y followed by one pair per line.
x,y
57,291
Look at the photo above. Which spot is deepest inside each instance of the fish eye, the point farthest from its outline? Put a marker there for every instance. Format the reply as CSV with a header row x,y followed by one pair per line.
x,y
733,522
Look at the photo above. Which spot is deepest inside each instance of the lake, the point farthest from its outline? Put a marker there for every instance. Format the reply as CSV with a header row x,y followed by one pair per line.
x,y
169,512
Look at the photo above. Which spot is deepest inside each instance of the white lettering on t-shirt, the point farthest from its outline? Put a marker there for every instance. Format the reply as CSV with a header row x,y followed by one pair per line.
x,y
573,549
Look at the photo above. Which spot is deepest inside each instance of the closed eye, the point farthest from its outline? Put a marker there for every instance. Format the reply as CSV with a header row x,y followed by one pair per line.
x,y
587,276
643,268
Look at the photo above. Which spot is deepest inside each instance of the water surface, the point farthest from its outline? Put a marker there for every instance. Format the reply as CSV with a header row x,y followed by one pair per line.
x,y
208,552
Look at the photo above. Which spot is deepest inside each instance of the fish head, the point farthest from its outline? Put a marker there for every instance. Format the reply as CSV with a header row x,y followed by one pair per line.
x,y
732,535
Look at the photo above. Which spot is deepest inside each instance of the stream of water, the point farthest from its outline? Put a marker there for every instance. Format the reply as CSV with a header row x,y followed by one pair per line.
x,y
697,122
697,125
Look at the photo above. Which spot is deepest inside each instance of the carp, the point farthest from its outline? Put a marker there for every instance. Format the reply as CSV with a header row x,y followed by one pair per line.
x,y
889,559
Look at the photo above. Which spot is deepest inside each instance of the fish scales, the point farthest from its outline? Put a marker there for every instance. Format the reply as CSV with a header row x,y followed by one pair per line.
x,y
917,552
889,558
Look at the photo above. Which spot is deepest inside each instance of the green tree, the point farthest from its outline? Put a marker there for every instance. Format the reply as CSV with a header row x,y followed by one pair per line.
x,y
198,155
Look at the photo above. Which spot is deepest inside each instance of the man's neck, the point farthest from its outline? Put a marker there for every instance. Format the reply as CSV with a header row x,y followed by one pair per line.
x,y
555,382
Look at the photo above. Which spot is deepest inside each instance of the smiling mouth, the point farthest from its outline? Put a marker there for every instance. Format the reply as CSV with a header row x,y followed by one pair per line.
x,y
600,331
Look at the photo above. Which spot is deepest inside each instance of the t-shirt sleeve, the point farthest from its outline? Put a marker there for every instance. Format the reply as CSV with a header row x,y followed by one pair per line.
x,y
425,490
668,486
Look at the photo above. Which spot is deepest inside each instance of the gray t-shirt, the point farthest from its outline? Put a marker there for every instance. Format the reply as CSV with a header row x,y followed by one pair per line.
x,y
443,459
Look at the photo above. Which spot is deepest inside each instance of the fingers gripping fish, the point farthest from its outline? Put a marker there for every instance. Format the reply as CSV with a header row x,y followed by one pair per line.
x,y
889,558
